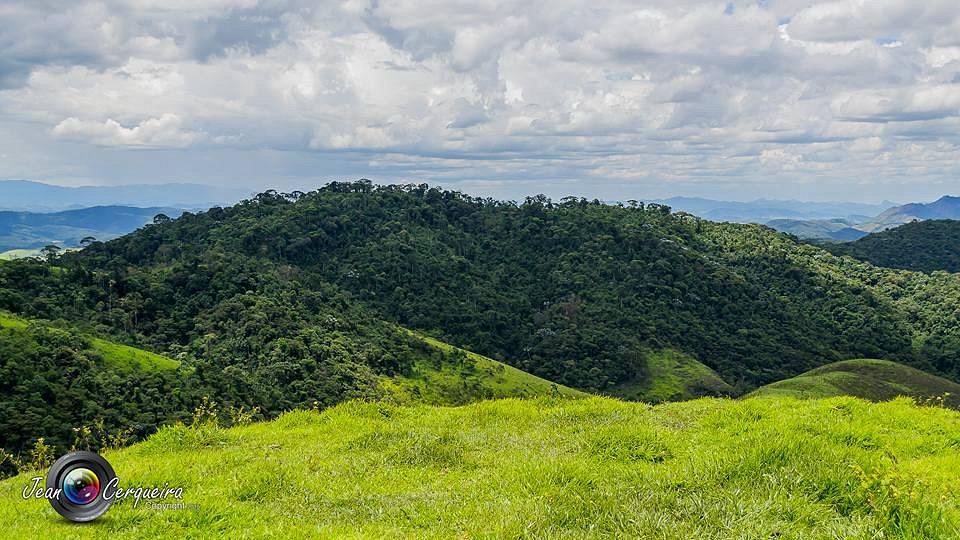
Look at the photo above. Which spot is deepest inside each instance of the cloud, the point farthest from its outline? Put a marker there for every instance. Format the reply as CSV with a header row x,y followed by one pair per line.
x,y
676,91
165,131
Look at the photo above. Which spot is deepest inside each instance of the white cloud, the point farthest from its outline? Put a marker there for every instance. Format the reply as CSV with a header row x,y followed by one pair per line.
x,y
165,131
681,90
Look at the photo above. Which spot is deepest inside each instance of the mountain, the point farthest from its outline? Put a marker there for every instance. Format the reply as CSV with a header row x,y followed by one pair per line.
x,y
946,207
770,467
839,230
923,246
765,210
301,300
876,380
30,230
24,195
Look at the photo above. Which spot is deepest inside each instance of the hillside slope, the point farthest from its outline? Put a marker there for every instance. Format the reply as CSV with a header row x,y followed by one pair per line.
x,y
63,365
923,246
56,380
876,380
462,377
117,355
673,376
759,468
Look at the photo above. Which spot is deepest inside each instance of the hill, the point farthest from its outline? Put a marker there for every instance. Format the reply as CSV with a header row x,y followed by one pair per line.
x,y
465,377
673,376
876,380
54,379
48,368
573,292
946,207
30,231
25,195
760,468
923,246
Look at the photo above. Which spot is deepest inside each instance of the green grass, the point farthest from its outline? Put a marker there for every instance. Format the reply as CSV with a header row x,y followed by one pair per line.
x,y
674,376
114,354
468,379
770,467
876,380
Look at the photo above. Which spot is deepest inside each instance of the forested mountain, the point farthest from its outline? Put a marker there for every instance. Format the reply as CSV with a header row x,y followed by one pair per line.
x,y
289,299
923,246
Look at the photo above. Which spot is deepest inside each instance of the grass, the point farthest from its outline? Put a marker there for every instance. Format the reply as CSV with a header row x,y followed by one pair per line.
x,y
468,379
674,376
876,380
771,467
114,354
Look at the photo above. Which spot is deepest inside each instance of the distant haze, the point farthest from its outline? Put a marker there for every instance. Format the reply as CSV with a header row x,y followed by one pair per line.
x,y
39,197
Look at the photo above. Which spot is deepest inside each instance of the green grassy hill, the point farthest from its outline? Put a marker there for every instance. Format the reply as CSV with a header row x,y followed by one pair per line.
x,y
465,377
876,380
673,376
770,467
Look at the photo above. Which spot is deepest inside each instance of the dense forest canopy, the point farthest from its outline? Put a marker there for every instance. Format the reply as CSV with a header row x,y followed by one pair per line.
x,y
924,246
289,299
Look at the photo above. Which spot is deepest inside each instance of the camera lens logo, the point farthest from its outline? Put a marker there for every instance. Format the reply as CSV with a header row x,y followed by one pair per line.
x,y
82,478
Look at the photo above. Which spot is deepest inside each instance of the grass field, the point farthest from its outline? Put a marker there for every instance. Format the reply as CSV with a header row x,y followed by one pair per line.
x,y
770,467
876,380
115,354
471,378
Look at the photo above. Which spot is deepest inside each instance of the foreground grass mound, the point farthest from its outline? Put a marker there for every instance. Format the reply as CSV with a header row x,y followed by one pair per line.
x,y
712,468
876,380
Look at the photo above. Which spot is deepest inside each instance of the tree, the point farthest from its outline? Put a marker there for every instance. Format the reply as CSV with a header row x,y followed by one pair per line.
x,y
50,252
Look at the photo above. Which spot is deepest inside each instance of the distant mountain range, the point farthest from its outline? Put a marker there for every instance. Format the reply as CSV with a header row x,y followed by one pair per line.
x,y
32,230
945,207
25,195
835,221
765,210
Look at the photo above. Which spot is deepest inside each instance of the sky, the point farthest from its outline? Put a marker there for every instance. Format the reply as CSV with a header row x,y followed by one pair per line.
x,y
820,100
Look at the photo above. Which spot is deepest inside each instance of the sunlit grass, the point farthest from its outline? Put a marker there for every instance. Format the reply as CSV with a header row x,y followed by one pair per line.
x,y
769,467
